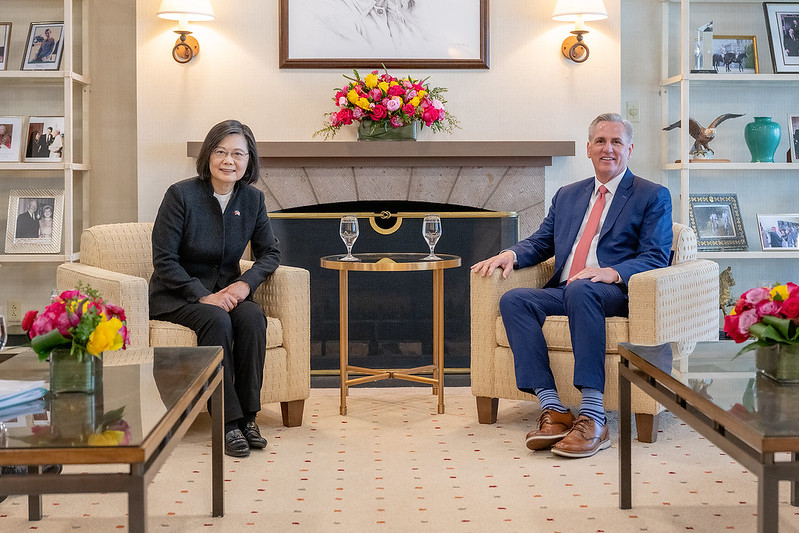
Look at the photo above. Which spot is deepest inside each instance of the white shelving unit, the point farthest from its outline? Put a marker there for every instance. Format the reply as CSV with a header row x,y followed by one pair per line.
x,y
739,93
64,92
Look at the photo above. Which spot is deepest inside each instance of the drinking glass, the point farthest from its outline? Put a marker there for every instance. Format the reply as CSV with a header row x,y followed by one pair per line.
x,y
349,232
3,332
431,231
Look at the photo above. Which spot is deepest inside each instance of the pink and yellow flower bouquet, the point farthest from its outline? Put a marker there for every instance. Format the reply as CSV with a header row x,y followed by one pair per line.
x,y
79,320
382,102
770,315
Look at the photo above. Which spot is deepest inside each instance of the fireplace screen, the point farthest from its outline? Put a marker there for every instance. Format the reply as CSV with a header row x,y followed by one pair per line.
x,y
390,314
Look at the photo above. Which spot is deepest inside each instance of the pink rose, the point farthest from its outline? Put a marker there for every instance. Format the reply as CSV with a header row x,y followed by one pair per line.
x,y
747,318
731,328
344,117
754,296
768,308
408,109
429,115
393,104
375,94
378,112
396,121
396,90
790,307
357,113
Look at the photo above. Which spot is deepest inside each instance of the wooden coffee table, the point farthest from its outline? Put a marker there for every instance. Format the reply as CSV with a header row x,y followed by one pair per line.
x,y
725,399
161,389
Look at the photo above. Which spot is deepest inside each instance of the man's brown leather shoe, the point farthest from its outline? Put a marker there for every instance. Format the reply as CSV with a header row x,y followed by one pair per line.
x,y
584,440
552,426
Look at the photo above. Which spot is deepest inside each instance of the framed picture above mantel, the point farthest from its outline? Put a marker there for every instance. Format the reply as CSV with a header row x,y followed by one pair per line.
x,y
394,33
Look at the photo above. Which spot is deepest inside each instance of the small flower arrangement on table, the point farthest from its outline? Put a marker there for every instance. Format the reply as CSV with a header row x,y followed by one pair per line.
x,y
79,320
770,315
384,102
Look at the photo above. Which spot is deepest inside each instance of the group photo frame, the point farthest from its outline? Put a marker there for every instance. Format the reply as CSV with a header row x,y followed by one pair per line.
x,y
5,39
35,221
11,139
339,34
735,54
44,139
782,24
716,220
45,45
778,232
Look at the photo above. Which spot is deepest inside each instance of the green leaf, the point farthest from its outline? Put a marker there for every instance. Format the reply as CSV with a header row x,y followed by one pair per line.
x,y
43,344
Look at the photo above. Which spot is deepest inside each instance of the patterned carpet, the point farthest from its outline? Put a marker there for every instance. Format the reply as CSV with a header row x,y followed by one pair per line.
x,y
393,464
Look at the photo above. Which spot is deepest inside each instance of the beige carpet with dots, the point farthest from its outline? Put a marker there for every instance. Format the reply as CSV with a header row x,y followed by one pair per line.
x,y
393,464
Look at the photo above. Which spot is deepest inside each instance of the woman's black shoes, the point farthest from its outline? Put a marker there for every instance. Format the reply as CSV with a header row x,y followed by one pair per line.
x,y
235,444
253,435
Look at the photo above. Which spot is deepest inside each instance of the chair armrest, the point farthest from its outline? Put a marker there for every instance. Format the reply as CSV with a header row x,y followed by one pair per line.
x,y
286,295
485,293
678,303
128,292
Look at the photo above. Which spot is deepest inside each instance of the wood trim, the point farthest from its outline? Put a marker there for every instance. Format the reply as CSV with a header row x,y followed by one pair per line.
x,y
412,154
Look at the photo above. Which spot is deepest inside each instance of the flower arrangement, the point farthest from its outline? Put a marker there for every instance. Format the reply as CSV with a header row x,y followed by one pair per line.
x,y
79,320
770,315
111,430
386,101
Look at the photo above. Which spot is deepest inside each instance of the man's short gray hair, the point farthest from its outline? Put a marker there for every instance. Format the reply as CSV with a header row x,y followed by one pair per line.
x,y
611,117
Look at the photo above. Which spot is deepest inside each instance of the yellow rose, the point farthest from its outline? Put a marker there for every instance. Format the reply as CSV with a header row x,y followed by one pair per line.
x,y
352,96
106,438
363,103
415,101
781,290
370,80
383,86
421,93
105,337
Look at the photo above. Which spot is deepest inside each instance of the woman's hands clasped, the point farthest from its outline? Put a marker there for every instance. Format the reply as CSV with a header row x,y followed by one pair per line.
x,y
229,297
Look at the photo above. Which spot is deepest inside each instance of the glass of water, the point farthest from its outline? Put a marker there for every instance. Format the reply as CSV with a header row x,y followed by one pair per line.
x,y
431,231
348,229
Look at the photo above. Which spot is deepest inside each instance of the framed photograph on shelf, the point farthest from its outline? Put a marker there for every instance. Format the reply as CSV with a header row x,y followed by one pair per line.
x,y
782,22
399,33
778,232
35,218
735,54
5,39
44,47
10,138
45,139
717,222
793,137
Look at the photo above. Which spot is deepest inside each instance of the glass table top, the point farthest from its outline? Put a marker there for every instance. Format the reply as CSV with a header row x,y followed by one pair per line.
x,y
711,370
137,388
391,261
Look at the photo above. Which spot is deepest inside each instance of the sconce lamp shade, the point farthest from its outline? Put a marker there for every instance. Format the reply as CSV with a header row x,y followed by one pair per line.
x,y
186,10
573,10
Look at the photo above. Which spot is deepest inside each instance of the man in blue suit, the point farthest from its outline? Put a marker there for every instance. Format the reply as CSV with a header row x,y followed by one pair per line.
x,y
601,231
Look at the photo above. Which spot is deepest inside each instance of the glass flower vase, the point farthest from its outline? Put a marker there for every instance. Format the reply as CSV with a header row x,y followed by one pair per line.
x,y
369,130
780,362
68,373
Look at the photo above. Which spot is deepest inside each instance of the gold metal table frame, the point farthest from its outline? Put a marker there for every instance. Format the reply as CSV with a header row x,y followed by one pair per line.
x,y
392,262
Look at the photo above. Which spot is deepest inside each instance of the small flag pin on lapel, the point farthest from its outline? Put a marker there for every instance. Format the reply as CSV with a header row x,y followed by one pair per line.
x,y
237,213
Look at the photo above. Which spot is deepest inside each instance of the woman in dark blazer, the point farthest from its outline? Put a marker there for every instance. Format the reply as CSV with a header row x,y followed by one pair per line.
x,y
201,231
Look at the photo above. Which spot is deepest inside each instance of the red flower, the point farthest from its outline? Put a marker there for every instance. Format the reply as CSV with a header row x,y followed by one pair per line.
x,y
27,321
378,112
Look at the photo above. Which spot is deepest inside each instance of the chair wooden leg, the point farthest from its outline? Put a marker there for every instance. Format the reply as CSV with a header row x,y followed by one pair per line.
x,y
647,427
292,413
487,409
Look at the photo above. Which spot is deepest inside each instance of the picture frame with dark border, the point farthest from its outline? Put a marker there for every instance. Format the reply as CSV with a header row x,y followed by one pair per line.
x,y
778,233
45,46
5,40
716,220
11,139
40,232
445,34
735,54
782,24
793,137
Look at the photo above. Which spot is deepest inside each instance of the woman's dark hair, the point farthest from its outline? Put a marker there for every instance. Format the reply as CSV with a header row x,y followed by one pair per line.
x,y
212,140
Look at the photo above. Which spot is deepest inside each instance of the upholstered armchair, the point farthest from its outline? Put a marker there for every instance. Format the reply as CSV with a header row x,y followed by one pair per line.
x,y
676,303
117,260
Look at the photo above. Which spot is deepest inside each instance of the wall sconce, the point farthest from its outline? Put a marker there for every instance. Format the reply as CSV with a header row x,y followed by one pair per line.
x,y
185,11
579,12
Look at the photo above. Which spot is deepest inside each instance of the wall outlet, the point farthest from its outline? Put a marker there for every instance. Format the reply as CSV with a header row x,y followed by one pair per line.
x,y
14,310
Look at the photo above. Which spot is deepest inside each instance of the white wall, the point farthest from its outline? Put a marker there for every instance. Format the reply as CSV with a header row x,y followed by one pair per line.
x,y
531,92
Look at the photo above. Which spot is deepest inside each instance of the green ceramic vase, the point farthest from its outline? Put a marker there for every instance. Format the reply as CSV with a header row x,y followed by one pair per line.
x,y
762,137
68,374
368,130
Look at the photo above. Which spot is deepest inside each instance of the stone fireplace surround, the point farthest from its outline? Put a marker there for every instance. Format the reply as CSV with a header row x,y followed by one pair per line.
x,y
491,175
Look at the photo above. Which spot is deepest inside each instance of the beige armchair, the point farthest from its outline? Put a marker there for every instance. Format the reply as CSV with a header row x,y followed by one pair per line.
x,y
116,259
676,303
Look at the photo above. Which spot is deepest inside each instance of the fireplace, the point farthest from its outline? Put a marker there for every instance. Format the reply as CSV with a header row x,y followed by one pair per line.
x,y
488,193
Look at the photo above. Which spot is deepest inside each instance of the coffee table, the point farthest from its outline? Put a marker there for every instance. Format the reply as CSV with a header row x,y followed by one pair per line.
x,y
392,262
161,389
740,410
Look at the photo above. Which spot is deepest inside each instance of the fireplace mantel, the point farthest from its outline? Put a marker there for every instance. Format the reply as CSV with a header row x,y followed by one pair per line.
x,y
407,153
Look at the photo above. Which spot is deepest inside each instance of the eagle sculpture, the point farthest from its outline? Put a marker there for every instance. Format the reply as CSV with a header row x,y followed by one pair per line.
x,y
702,136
